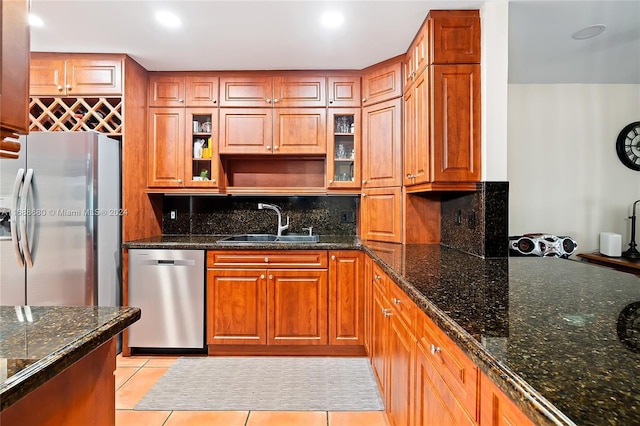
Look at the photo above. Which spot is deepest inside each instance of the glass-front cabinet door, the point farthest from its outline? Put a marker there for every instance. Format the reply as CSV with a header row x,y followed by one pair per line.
x,y
343,148
201,156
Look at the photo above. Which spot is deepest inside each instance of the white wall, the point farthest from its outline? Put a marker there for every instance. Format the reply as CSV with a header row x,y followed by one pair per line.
x,y
565,177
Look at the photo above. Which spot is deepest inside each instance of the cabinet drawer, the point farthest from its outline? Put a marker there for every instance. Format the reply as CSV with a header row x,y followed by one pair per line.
x,y
456,369
379,278
263,259
403,306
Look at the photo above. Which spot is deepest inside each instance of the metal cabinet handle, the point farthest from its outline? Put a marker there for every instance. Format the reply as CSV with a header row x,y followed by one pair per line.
x,y
396,301
377,277
268,147
330,180
275,147
213,180
262,276
276,100
68,86
179,180
270,276
333,257
364,181
364,195
181,100
60,88
215,101
266,260
330,101
364,99
386,313
268,100
435,349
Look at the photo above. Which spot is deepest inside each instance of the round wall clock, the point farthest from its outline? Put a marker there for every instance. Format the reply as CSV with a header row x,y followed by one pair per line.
x,y
628,146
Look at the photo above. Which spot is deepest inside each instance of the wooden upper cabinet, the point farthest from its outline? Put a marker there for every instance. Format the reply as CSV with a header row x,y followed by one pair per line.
x,y
245,131
61,75
454,36
416,58
299,131
166,90
381,214
299,91
166,147
455,130
14,66
382,144
201,91
416,132
382,82
246,91
344,91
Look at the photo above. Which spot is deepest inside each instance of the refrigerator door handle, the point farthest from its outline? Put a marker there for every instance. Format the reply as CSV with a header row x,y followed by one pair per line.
x,y
15,216
24,240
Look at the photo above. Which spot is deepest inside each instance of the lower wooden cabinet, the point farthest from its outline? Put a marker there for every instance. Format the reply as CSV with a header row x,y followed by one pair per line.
x,y
496,409
400,389
346,298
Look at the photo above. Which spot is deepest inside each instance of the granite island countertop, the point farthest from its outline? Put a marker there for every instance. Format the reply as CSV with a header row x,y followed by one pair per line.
x,y
33,352
561,337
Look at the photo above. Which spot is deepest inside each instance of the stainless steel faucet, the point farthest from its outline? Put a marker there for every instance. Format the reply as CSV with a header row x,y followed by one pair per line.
x,y
281,227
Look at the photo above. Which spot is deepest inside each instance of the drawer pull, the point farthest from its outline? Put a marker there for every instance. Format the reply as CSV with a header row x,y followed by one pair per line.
x,y
333,257
262,276
270,276
435,349
386,313
396,301
377,277
266,260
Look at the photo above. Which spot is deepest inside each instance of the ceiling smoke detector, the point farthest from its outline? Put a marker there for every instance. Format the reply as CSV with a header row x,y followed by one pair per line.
x,y
589,32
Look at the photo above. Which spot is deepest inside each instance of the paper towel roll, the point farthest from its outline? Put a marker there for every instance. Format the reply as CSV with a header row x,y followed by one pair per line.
x,y
610,244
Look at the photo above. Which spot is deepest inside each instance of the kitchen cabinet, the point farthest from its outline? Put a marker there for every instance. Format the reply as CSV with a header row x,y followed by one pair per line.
x,y
382,82
279,131
14,68
346,298
381,214
267,298
267,91
183,90
393,346
343,149
382,144
496,408
446,379
74,75
368,302
172,160
442,104
344,91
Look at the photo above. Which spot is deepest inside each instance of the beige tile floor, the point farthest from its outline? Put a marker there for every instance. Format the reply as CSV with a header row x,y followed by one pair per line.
x,y
137,374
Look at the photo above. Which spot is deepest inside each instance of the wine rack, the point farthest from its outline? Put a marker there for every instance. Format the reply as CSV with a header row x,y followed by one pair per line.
x,y
49,114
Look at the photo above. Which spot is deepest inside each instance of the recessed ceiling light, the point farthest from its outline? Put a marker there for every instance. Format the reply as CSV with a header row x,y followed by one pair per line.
x,y
588,32
168,19
35,21
332,19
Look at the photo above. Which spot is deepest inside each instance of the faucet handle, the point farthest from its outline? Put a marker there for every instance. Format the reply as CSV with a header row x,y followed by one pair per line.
x,y
310,229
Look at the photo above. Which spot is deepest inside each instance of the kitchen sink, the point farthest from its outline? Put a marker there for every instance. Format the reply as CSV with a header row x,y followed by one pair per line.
x,y
269,238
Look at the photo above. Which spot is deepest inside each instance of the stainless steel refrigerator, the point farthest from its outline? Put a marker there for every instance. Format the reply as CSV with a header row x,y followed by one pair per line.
x,y
60,221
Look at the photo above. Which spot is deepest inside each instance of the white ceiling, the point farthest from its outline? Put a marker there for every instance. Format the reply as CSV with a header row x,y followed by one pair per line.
x,y
234,35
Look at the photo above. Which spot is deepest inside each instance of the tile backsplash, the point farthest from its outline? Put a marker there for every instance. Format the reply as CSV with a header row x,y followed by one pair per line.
x,y
240,214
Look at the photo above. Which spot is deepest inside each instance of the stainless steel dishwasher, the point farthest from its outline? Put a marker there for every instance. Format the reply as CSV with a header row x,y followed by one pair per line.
x,y
168,287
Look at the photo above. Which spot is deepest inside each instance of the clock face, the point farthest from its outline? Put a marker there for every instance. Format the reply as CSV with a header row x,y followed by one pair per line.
x,y
628,146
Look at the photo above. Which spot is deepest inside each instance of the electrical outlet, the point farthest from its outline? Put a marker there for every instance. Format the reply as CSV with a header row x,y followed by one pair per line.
x,y
471,219
346,217
173,215
458,218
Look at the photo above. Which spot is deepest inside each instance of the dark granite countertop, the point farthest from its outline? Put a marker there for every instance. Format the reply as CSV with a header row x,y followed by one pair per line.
x,y
58,336
561,337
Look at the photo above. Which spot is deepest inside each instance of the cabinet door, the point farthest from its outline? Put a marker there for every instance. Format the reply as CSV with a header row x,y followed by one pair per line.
x,y
201,148
455,131
344,91
381,83
409,139
379,340
46,76
368,303
434,404
166,147
346,299
343,148
382,145
166,90
497,409
401,357
94,77
454,36
381,213
297,307
246,91
14,66
236,307
420,151
201,91
300,131
245,131
299,91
